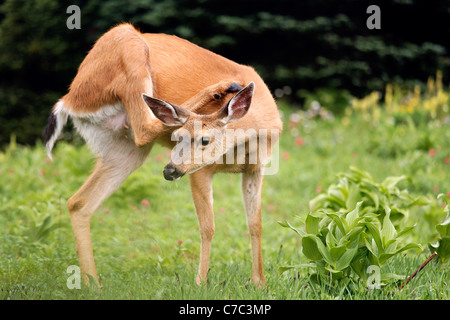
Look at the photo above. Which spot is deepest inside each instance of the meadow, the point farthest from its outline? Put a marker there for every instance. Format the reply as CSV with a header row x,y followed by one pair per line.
x,y
146,239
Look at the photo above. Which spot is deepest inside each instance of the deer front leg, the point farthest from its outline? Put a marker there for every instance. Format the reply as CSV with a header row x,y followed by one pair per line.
x,y
251,190
201,186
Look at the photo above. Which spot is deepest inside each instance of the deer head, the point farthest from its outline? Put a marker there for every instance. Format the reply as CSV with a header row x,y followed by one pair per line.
x,y
201,138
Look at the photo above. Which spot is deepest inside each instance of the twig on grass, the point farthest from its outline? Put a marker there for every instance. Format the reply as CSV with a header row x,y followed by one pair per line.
x,y
417,271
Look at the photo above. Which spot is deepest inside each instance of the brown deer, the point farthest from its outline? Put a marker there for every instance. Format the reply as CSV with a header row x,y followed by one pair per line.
x,y
117,102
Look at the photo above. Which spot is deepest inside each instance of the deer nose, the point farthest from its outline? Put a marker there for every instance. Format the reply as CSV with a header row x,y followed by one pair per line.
x,y
171,173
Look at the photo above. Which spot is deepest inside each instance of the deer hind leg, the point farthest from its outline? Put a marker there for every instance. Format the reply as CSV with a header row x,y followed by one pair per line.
x,y
118,69
108,175
201,186
251,190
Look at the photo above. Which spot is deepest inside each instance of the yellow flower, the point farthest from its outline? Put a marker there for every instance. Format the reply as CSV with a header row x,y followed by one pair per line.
x,y
430,85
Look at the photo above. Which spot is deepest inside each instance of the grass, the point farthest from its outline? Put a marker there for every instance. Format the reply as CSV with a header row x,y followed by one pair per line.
x,y
146,239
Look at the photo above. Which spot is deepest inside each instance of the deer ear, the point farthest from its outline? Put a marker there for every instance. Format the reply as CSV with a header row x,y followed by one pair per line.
x,y
169,114
238,106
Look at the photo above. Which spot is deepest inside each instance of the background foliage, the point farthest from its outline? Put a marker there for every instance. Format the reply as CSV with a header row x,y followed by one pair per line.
x,y
301,45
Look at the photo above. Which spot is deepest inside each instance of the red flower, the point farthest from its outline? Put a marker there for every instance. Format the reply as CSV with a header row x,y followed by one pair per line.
x,y
447,160
145,203
286,155
299,141
432,152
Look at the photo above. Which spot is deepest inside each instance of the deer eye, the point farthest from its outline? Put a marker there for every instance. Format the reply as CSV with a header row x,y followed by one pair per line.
x,y
206,141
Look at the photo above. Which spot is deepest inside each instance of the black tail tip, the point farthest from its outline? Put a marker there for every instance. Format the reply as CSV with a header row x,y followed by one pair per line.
x,y
50,128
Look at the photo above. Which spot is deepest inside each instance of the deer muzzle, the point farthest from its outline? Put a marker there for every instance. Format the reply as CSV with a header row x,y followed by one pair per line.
x,y
171,173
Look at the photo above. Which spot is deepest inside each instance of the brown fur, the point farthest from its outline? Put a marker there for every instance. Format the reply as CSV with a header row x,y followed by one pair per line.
x,y
125,63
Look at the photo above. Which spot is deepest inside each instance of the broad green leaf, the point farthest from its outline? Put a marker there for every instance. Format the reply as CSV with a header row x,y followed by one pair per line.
x,y
352,235
353,197
391,182
346,258
330,240
286,224
316,202
405,231
376,237
312,224
322,249
391,246
371,246
338,221
405,196
361,173
444,249
385,256
444,228
372,195
353,215
310,249
388,232
362,253
338,234
373,260
360,262
337,252
337,197
420,201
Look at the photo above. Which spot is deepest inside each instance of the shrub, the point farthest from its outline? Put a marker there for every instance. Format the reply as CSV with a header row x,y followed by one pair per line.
x,y
442,246
357,223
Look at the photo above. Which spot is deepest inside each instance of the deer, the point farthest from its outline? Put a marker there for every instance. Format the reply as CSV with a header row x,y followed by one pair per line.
x,y
135,89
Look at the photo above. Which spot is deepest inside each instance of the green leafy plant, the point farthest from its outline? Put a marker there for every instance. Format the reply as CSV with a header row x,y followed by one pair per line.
x,y
34,229
342,238
358,185
442,246
341,245
36,232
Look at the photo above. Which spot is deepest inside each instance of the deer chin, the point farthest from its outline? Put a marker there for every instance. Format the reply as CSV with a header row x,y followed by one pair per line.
x,y
172,178
201,167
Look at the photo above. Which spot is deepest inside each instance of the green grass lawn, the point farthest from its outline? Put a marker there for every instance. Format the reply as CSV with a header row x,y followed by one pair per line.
x,y
150,250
